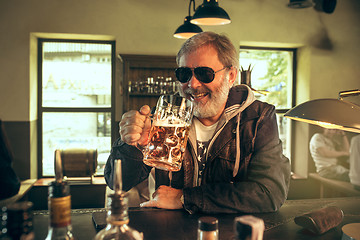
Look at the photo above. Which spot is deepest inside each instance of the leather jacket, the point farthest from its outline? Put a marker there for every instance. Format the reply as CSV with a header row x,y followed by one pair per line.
x,y
245,169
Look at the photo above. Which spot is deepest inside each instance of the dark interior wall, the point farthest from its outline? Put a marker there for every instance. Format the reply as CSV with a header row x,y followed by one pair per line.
x,y
18,134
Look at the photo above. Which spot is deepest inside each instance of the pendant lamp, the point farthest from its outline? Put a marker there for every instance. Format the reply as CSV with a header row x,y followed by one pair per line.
x,y
209,13
188,29
329,113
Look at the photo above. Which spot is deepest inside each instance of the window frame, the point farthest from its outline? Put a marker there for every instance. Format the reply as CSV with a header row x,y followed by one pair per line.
x,y
293,90
42,109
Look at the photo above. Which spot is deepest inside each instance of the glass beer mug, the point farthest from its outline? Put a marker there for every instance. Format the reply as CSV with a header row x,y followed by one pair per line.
x,y
169,133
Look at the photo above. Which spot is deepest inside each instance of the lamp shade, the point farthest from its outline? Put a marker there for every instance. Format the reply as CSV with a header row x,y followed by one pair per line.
x,y
328,113
187,30
209,13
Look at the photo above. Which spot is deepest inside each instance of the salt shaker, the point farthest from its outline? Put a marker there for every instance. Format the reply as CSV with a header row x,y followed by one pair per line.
x,y
208,228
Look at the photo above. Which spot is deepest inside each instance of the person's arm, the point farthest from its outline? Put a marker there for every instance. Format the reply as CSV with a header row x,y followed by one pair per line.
x,y
134,129
344,142
342,146
9,181
266,186
134,170
326,152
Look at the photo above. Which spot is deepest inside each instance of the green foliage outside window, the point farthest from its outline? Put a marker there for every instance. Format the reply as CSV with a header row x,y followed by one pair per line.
x,y
271,71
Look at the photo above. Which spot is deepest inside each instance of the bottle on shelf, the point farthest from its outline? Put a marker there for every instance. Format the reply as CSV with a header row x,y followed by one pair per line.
x,y
168,87
117,213
59,203
135,87
208,228
17,221
157,89
150,84
160,80
174,87
143,87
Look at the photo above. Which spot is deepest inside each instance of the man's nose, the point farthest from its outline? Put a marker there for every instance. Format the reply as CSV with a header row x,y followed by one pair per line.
x,y
194,82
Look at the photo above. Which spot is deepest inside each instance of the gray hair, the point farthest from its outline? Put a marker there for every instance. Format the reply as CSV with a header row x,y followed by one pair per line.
x,y
226,51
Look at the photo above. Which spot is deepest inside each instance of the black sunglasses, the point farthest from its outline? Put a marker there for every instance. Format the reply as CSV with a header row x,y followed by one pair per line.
x,y
203,74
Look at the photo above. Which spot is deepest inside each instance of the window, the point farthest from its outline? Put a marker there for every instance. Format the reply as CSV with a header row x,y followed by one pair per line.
x,y
75,98
272,72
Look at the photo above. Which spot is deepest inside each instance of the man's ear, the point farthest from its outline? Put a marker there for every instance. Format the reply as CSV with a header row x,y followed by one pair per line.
x,y
232,75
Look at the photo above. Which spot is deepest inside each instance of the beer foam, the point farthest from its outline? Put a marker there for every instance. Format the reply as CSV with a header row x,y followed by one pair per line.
x,y
165,123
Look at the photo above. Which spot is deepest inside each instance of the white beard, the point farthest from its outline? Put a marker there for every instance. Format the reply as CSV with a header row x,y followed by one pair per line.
x,y
214,105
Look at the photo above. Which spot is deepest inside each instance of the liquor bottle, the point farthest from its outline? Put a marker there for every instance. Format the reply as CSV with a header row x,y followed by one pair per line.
x,y
17,221
117,213
59,202
117,220
208,228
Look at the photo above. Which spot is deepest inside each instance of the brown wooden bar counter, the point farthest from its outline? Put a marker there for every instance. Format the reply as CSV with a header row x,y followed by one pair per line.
x,y
162,224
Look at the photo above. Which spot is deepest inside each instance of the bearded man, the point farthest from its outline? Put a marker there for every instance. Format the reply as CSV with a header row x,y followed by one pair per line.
x,y
233,161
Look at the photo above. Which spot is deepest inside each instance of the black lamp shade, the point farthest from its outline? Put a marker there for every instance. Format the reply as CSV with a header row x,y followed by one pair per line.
x,y
326,6
187,30
328,113
209,13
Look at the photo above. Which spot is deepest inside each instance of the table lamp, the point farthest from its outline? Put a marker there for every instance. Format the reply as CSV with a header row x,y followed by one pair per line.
x,y
329,113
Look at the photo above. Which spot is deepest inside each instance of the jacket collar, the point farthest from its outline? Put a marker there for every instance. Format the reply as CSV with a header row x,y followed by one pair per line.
x,y
240,97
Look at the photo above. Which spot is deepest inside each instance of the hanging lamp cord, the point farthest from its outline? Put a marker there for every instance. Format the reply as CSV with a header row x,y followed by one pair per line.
x,y
191,1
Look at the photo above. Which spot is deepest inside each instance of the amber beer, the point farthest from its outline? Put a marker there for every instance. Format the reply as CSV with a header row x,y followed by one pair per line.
x,y
167,146
169,133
